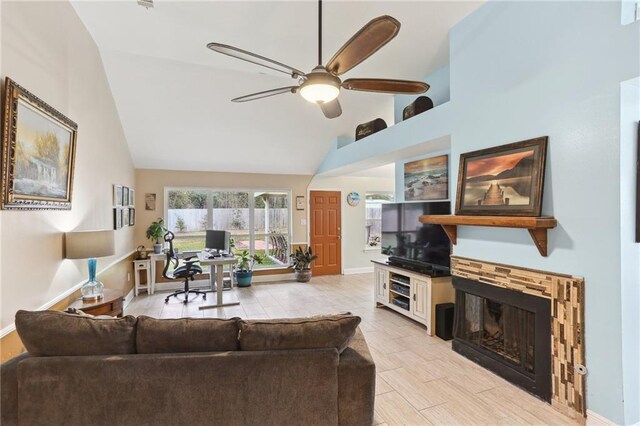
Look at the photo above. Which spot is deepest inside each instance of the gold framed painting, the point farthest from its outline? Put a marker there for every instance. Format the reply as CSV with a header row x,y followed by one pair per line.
x,y
506,180
38,152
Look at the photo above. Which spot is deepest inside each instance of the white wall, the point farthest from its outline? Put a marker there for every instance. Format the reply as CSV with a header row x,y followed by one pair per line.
x,y
354,256
46,49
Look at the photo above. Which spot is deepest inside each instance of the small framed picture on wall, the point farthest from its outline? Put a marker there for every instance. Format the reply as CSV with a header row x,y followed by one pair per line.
x,y
300,202
149,201
132,198
125,217
117,195
125,196
117,218
132,217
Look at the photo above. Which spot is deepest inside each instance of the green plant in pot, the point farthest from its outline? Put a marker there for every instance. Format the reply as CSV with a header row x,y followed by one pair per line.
x,y
244,268
301,264
155,232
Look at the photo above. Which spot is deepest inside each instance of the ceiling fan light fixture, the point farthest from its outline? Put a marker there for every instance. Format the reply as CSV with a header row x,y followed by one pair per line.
x,y
320,92
320,86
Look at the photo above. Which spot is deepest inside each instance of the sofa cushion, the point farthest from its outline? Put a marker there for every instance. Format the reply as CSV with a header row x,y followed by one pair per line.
x,y
328,331
54,333
186,335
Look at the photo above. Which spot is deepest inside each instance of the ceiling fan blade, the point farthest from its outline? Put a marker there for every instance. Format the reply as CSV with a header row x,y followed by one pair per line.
x,y
266,94
385,85
364,43
331,109
255,59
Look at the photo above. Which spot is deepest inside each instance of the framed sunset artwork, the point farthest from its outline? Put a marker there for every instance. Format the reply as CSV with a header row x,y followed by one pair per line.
x,y
506,180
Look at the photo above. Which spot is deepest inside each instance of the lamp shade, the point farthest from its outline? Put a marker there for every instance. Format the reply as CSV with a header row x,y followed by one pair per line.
x,y
89,244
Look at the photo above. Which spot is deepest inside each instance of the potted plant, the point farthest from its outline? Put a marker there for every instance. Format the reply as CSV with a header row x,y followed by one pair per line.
x,y
155,231
301,264
244,269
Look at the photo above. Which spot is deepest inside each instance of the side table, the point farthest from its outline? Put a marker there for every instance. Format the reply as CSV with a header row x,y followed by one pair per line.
x,y
139,266
110,304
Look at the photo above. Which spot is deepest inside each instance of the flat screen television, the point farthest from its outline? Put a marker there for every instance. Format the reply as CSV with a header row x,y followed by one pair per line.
x,y
412,244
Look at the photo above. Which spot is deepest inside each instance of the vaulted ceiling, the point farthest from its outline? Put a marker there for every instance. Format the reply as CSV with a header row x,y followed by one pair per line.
x,y
173,94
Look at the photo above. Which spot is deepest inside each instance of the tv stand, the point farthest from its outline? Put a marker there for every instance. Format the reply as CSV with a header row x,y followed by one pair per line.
x,y
412,294
419,267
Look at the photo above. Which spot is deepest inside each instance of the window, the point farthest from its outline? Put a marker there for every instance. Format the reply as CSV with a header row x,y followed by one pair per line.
x,y
259,221
373,217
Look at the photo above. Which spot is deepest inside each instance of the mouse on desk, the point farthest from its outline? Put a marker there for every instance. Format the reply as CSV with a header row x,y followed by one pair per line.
x,y
214,256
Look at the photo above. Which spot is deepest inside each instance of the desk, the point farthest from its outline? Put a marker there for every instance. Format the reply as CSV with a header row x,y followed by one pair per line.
x,y
216,278
110,304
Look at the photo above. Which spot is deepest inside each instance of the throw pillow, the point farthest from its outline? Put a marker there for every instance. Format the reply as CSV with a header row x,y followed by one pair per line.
x,y
55,333
186,335
328,331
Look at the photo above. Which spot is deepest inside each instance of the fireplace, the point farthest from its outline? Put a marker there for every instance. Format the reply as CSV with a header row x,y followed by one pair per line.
x,y
505,331
564,297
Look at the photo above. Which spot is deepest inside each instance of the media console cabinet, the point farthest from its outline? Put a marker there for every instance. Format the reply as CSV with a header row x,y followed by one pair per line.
x,y
416,295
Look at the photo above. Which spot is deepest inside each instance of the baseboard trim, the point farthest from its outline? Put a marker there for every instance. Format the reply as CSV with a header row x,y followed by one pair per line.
x,y
273,278
11,327
127,299
596,419
351,271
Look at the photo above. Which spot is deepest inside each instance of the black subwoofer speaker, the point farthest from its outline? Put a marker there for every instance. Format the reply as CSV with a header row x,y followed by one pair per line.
x,y
444,321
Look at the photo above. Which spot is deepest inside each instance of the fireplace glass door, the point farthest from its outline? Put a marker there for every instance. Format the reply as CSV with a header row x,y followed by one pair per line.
x,y
502,329
506,331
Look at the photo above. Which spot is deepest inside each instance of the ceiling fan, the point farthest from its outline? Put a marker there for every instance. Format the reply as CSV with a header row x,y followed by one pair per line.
x,y
322,85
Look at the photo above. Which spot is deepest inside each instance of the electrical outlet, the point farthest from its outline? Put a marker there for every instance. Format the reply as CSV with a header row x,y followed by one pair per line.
x,y
128,276
303,222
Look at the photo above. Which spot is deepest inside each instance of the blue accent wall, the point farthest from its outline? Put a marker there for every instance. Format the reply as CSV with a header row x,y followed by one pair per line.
x,y
523,69
438,92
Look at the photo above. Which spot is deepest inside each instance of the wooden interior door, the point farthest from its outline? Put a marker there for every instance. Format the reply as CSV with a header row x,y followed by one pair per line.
x,y
326,232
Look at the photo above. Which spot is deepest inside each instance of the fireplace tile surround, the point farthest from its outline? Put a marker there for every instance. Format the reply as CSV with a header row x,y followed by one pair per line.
x,y
566,294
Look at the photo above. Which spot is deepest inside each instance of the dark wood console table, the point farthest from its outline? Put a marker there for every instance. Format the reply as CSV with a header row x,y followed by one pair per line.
x,y
110,304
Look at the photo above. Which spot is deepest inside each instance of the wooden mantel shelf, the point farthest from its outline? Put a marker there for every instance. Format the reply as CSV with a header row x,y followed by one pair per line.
x,y
537,226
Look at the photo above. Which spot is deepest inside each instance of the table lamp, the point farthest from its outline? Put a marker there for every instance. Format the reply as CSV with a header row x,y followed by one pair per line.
x,y
90,245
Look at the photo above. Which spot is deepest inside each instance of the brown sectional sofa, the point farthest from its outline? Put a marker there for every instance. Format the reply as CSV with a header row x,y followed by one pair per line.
x,y
309,371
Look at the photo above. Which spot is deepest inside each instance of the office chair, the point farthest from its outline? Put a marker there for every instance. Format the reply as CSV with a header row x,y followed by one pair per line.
x,y
184,272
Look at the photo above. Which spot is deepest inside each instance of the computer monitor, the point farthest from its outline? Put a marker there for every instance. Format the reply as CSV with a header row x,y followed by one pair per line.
x,y
217,240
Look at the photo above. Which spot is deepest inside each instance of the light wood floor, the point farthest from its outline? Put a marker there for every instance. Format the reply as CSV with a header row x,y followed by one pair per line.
x,y
420,380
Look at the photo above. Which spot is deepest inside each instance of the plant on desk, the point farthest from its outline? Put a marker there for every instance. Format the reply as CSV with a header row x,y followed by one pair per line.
x,y
244,269
155,231
301,264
